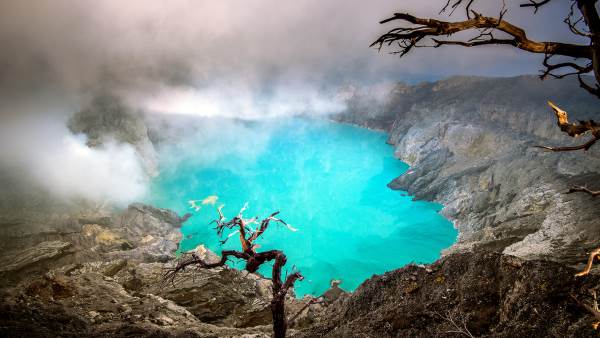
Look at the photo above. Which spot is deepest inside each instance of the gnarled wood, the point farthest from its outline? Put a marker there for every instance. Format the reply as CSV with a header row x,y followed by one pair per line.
x,y
574,130
414,32
591,308
435,28
588,267
579,188
253,260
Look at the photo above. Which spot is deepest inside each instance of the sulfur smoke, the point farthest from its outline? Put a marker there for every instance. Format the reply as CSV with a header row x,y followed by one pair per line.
x,y
250,60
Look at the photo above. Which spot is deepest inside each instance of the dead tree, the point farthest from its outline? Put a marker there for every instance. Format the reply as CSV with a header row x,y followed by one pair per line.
x,y
561,59
253,259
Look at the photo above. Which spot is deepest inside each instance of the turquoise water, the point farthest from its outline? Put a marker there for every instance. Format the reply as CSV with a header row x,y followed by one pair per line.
x,y
327,179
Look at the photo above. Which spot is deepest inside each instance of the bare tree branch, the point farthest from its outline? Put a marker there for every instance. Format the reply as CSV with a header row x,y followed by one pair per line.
x,y
551,68
589,88
194,260
579,188
455,5
253,261
574,23
433,27
574,130
584,147
414,32
535,4
592,20
458,329
593,255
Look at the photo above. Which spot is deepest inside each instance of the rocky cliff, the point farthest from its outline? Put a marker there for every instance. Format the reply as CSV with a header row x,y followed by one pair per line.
x,y
464,295
101,274
469,143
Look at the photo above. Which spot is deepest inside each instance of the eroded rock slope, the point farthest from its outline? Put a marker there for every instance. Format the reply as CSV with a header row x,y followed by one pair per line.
x,y
465,295
101,274
469,142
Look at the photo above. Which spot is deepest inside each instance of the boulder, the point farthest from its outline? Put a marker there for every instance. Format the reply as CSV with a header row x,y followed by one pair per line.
x,y
16,260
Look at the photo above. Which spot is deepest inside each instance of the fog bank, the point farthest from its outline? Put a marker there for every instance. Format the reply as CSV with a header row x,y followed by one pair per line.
x,y
259,59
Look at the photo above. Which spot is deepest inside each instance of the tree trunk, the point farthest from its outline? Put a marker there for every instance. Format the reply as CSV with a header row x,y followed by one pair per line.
x,y
279,320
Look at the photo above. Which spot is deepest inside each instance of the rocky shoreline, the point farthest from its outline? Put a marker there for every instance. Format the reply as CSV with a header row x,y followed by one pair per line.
x,y
469,143
464,294
102,275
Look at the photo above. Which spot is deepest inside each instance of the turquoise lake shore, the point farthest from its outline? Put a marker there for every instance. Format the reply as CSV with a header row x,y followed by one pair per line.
x,y
327,179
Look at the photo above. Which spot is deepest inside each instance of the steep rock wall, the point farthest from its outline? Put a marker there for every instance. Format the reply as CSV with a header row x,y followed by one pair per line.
x,y
469,143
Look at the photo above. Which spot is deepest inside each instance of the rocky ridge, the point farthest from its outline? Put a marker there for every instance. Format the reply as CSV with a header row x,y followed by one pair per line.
x,y
464,295
469,143
102,274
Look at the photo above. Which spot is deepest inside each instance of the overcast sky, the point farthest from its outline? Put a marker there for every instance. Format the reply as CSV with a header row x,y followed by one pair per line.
x,y
142,45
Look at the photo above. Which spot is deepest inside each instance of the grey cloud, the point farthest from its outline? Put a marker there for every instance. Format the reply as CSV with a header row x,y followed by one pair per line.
x,y
136,44
223,58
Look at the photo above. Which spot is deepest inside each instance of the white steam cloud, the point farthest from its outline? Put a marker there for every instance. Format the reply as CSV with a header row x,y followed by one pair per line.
x,y
220,101
61,163
250,59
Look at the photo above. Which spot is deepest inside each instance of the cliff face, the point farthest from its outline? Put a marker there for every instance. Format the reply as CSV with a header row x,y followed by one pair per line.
x,y
101,274
469,143
467,294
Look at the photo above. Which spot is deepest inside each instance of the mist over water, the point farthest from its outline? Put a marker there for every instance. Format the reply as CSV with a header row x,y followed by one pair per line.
x,y
201,58
327,179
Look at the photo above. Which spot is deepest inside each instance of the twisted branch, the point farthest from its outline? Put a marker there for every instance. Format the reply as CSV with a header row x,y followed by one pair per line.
x,y
579,188
408,37
535,4
573,130
550,68
593,255
253,261
194,260
415,32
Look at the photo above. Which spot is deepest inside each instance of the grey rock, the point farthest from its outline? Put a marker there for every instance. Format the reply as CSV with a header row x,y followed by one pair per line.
x,y
16,260
138,234
486,294
137,210
90,303
115,267
221,296
469,143
334,292
205,254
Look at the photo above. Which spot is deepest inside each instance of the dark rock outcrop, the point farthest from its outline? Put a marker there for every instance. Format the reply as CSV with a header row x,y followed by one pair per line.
x,y
469,143
17,260
103,275
482,294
